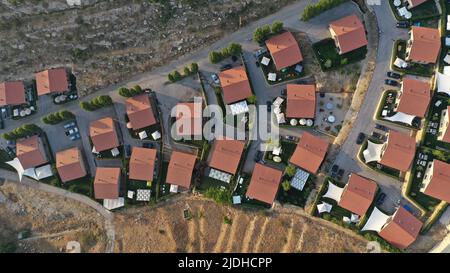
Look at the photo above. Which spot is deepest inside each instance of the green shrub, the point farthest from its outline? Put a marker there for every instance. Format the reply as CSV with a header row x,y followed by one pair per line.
x,y
176,75
220,196
227,220
328,63
186,71
312,10
290,170
260,34
124,92
286,185
234,49
277,27
22,131
251,99
194,67
215,57
170,77
8,247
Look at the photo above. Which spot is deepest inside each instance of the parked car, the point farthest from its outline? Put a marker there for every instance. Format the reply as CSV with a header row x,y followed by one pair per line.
x,y
403,24
381,127
334,170
381,198
284,92
391,82
258,156
225,67
215,79
393,75
408,208
75,137
127,150
269,105
147,145
69,124
2,124
11,142
377,135
257,63
73,131
291,138
361,138
340,174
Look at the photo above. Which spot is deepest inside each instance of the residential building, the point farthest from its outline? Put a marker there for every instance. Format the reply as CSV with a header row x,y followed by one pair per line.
x,y
358,194
415,3
414,97
284,50
107,183
226,155
444,129
348,33
301,101
142,164
139,112
181,166
12,93
424,45
309,153
264,183
436,180
401,229
189,116
399,151
235,85
70,164
103,134
52,80
31,152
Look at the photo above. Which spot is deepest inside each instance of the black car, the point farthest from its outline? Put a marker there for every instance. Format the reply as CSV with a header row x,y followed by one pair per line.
x,y
381,127
381,198
2,124
340,174
403,24
360,138
258,156
127,150
269,105
225,67
393,75
257,63
334,170
147,145
283,92
391,82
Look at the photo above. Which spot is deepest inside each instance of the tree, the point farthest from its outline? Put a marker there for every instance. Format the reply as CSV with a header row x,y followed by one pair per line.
x,y
86,106
137,88
65,115
176,75
8,136
234,49
170,77
105,100
194,67
215,57
261,34
277,27
251,99
290,170
328,63
286,185
125,92
186,71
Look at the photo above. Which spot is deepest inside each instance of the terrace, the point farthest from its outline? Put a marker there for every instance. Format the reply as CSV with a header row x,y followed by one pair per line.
x,y
374,165
399,52
386,112
431,127
281,152
295,187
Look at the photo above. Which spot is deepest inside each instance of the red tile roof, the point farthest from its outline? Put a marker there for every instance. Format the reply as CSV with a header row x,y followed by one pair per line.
x,y
70,164
235,85
189,113
349,33
12,93
426,44
103,134
310,152
52,80
415,98
301,101
402,230
30,152
180,169
284,50
399,152
415,3
140,112
226,155
358,194
142,164
107,183
264,183
439,185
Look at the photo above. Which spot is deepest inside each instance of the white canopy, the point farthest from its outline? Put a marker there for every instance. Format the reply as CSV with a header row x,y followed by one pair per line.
x,y
236,199
277,110
443,83
278,101
334,192
447,70
400,63
110,204
272,77
354,218
324,207
43,171
265,61
408,15
276,150
373,152
115,152
401,117
15,163
239,108
35,173
173,188
156,135
397,3
143,195
280,118
143,135
402,11
376,221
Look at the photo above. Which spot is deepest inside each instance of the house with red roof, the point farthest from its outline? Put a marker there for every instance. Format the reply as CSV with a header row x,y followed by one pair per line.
x,y
348,33
235,85
31,152
358,194
414,97
284,50
309,153
139,112
401,229
301,101
12,93
424,45
52,80
436,180
264,183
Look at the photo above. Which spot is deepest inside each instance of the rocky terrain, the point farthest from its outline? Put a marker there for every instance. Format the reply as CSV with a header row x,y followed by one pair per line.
x,y
106,41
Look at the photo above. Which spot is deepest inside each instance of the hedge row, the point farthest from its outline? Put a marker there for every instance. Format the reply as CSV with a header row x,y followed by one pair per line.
x,y
22,131
57,117
96,103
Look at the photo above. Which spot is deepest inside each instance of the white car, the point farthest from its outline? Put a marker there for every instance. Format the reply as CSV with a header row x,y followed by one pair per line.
x,y
73,131
215,78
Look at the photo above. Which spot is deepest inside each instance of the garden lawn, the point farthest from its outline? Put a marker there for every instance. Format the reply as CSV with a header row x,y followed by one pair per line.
x,y
399,50
294,196
283,75
329,58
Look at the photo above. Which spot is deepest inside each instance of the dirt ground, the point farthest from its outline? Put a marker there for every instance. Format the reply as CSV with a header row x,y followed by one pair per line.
x,y
46,222
164,229
106,42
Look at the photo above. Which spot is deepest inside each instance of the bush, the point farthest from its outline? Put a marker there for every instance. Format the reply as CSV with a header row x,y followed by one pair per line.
x,y
8,247
124,92
227,220
97,103
22,131
194,67
312,10
260,34
286,185
215,57
186,71
277,27
170,77
290,170
251,99
86,106
220,196
234,49
176,75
